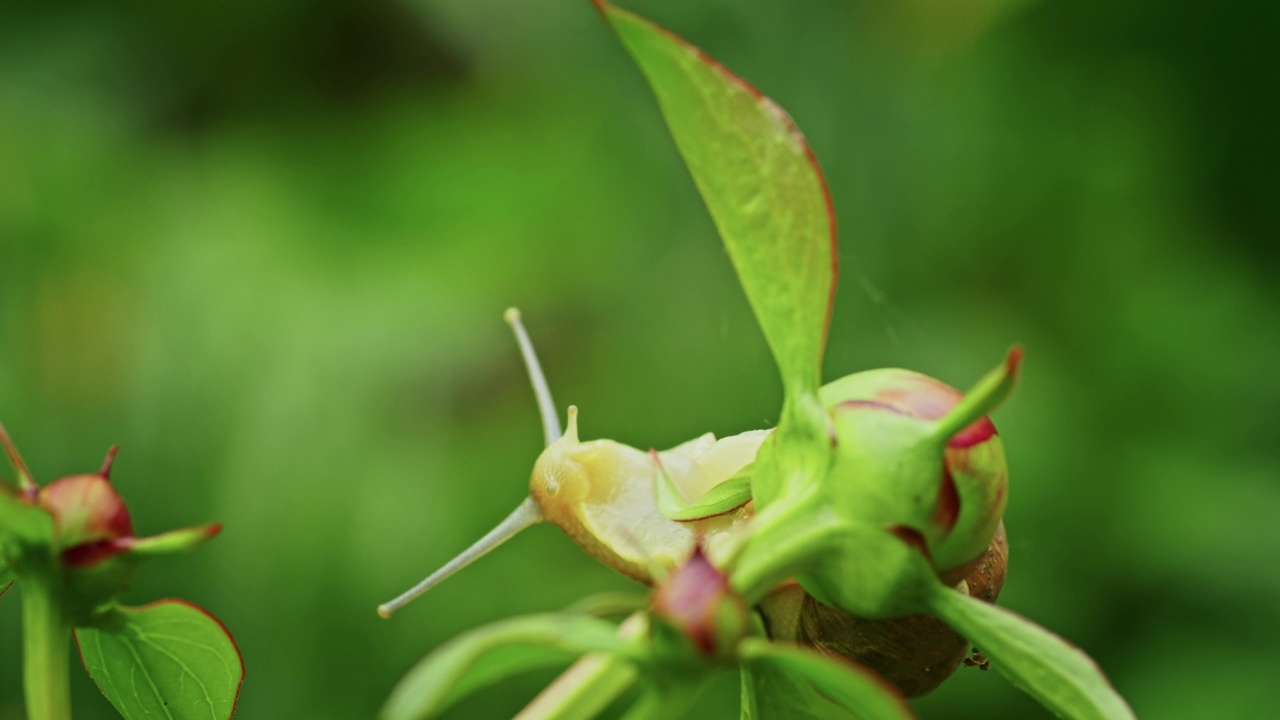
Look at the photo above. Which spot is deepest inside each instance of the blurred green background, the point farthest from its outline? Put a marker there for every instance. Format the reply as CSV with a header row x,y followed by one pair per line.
x,y
266,249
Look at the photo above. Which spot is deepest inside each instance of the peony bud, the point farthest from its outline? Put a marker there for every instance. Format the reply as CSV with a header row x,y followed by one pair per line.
x,y
92,534
698,601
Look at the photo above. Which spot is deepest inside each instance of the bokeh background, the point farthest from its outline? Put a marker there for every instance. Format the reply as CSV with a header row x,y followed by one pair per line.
x,y
265,247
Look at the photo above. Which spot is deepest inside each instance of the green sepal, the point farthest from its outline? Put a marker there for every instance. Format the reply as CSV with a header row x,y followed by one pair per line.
x,y
173,541
483,656
761,184
982,398
853,687
1059,675
169,659
786,539
720,499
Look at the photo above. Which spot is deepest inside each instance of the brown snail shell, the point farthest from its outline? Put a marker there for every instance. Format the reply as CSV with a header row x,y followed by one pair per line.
x,y
914,652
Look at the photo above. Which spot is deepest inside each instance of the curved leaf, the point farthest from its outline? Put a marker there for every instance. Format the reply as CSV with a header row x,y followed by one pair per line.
x,y
720,499
485,655
761,184
1061,676
850,686
169,659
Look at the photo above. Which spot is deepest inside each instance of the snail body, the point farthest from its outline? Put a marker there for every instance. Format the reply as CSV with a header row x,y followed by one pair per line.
x,y
606,496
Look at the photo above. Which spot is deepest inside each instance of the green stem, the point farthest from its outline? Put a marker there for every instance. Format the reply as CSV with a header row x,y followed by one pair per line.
x,y
587,688
46,641
787,537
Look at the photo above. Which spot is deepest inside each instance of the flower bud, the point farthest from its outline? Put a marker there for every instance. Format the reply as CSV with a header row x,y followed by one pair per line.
x,y
928,460
92,534
698,601
916,487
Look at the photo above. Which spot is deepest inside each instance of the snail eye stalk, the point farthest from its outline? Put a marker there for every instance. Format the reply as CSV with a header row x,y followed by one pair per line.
x,y
546,406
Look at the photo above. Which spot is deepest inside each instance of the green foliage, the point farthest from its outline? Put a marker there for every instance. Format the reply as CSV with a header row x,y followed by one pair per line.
x,y
168,659
72,547
1058,674
481,657
271,264
853,497
720,499
850,686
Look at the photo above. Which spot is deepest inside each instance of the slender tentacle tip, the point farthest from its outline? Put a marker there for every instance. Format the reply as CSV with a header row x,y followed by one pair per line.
x,y
526,514
542,391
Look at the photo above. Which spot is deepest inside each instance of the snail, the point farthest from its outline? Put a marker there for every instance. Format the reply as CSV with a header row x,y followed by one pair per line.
x,y
617,503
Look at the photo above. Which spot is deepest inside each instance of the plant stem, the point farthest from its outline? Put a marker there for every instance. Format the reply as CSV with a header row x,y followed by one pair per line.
x,y
587,688
46,636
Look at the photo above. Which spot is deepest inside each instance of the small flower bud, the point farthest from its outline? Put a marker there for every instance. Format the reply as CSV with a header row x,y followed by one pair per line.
x,y
928,463
697,599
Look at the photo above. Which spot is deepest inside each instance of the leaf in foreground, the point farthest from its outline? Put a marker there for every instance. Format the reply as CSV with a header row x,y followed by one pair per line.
x,y
169,659
850,686
1061,676
769,691
488,654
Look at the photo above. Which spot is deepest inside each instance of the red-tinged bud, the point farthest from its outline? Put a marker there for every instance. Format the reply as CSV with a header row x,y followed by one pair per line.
x,y
922,463
85,509
697,600
93,536
950,495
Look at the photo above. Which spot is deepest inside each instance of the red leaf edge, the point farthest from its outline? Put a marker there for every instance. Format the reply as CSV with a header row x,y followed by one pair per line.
x,y
603,7
193,606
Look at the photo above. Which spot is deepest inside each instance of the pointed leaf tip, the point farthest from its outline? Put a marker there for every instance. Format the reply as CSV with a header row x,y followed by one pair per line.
x,y
762,186
174,541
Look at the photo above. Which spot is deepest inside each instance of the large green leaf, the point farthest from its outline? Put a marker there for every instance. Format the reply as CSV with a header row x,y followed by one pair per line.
x,y
1048,668
485,655
850,686
761,184
169,659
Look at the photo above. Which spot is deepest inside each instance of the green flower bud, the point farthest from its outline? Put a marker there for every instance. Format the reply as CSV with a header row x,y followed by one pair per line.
x,y
921,490
951,495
